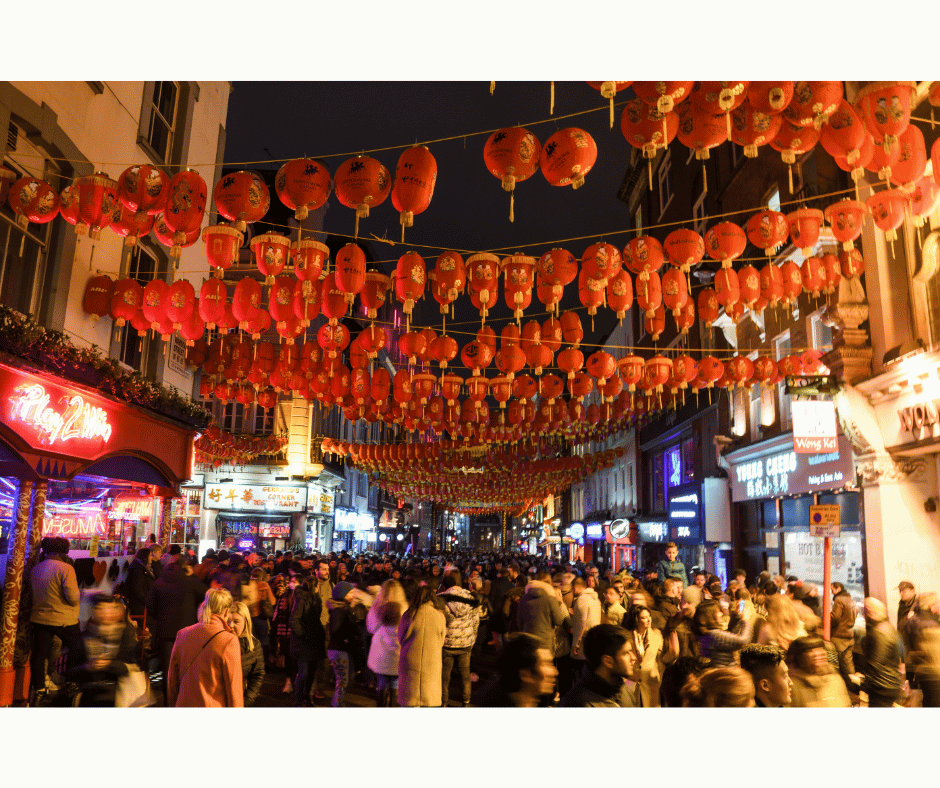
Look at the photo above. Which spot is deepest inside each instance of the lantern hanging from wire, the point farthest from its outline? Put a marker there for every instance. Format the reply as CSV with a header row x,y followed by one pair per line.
x,y
664,96
700,131
221,244
887,209
608,90
303,185
792,140
620,294
143,189
410,278
185,206
912,159
770,98
768,230
242,197
271,252
512,155
751,128
413,187
805,224
362,183
567,157
886,109
128,224
684,249
813,103
648,130
309,258
720,97
846,219
725,242
643,255
924,200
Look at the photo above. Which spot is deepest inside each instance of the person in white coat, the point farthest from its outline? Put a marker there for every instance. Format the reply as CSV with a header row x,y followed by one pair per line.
x,y
382,622
585,613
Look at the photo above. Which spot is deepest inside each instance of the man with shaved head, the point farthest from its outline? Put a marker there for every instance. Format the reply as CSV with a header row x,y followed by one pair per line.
x,y
882,651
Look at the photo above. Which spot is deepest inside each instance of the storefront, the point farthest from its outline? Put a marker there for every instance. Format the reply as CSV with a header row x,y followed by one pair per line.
x,y
621,538
355,531
254,517
698,516
772,489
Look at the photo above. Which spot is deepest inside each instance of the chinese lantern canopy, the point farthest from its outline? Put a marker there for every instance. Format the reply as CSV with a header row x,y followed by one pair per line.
x,y
185,205
271,251
845,218
813,103
303,185
752,128
792,140
143,189
663,96
608,90
512,154
886,109
246,301
792,281
126,300
812,274
887,209
924,199
701,131
620,294
33,200
156,297
647,129
181,301
725,242
768,230
221,244
805,224
413,186
127,224
643,255
333,303
727,287
99,291
684,249
708,306
309,257
567,157
770,97
350,271
675,290
912,159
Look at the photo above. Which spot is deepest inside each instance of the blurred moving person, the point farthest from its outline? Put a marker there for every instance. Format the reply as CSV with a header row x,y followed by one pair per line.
x,y
252,655
923,659
652,650
767,665
527,675
842,629
604,679
882,648
815,682
729,687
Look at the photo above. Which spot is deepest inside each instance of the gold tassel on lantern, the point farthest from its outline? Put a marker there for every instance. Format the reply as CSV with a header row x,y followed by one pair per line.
x,y
551,106
512,202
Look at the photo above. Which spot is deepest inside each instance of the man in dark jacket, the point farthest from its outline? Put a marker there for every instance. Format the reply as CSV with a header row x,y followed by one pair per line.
x,y
172,605
603,681
923,658
139,580
540,611
842,632
499,587
907,609
882,651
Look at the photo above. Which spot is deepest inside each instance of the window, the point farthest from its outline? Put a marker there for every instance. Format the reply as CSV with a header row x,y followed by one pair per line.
x,y
161,125
233,415
132,349
363,486
773,200
264,420
665,183
698,214
638,219
659,483
781,349
820,333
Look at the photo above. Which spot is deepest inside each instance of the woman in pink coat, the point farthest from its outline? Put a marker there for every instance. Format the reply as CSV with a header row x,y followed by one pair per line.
x,y
206,665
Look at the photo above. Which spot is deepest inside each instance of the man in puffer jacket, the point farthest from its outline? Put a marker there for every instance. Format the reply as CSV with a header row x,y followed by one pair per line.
x,y
461,634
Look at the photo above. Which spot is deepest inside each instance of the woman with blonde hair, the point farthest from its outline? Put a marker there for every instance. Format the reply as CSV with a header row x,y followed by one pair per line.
x,y
782,625
251,652
205,665
719,688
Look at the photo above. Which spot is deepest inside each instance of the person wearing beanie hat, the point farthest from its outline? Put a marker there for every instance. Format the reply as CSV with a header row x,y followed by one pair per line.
x,y
342,639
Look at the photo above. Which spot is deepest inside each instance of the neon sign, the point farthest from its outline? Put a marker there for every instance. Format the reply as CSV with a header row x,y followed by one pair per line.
x,y
80,420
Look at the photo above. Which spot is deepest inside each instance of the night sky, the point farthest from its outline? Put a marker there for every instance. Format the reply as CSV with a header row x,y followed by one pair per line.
x,y
469,211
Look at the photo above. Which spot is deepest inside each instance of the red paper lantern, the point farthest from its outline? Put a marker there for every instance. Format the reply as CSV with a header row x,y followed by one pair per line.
x,y
883,160
451,274
844,134
68,209
591,292
570,361
812,274
804,228
792,140
852,263
608,90
620,294
631,370
524,387
571,330
886,109
281,300
221,244
601,261
675,290
409,280
664,96
512,155
845,218
700,131
127,224
156,297
792,281
887,209
309,257
126,300
725,241
372,339
831,273
790,366
558,267
765,371
710,369
351,271
924,200
601,365
501,387
646,128
749,283
708,306
333,339
444,350
450,388
567,157
740,370
727,287
185,206
813,103
242,197
686,317
181,301
768,230
412,345
643,255
143,189
303,185
538,356
552,334
167,237
333,304
684,249
308,299
191,329
657,372
413,187
655,324
374,292
33,200
770,97
519,278
912,158
751,128
99,292
271,252
476,356
684,370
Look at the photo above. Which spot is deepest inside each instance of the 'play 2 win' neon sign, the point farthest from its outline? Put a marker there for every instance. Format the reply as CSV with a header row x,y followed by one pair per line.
x,y
79,420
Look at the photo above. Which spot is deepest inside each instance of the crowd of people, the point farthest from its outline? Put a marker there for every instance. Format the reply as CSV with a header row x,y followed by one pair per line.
x,y
428,630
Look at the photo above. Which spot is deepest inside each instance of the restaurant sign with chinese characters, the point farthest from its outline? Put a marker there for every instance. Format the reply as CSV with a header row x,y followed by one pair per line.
x,y
253,498
772,469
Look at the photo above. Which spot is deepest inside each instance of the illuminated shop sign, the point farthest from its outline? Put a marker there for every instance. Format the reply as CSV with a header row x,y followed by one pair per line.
x,y
576,530
76,525
685,513
274,531
67,417
772,474
654,531
346,520
594,531
251,498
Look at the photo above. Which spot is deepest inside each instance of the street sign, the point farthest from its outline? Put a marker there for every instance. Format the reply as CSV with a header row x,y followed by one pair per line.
x,y
825,514
827,530
93,547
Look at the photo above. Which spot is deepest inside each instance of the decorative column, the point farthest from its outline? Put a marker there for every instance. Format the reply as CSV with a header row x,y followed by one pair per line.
x,y
166,525
23,644
13,583
36,523
851,356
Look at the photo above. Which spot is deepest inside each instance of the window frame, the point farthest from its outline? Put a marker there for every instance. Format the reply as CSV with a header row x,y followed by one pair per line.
x,y
664,177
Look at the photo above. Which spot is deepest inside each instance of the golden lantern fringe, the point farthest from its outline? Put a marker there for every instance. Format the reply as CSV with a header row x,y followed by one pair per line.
x,y
790,176
551,106
492,87
650,168
512,202
704,180
611,111
728,123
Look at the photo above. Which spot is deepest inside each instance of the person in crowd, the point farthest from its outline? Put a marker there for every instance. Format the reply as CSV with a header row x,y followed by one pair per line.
x,y
170,555
526,675
695,593
614,611
261,605
54,612
156,560
324,678
815,682
923,657
172,605
140,578
107,651
540,610
502,585
719,688
307,639
252,656
652,651
796,593
280,624
782,625
605,677
714,643
342,638
881,648
586,613
461,634
675,676
205,665
421,632
842,629
384,651
768,668
907,609
670,566
667,605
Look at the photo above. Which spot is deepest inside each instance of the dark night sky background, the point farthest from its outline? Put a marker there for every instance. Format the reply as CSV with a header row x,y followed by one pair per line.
x,y
469,210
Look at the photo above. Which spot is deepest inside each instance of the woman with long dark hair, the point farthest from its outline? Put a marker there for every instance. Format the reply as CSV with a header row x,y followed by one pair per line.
x,y
421,633
306,637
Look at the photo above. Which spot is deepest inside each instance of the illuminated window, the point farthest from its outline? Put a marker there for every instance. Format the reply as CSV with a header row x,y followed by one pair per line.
x,y
773,200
